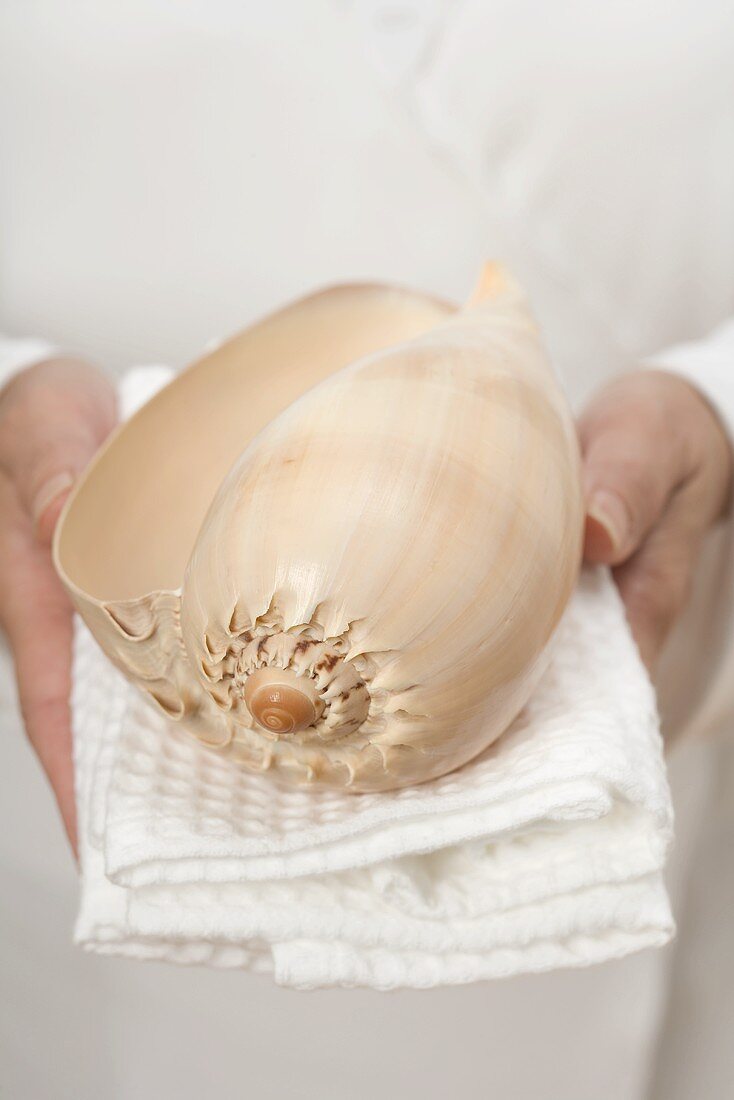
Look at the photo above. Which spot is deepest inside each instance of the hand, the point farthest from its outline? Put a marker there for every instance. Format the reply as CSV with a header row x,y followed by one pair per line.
x,y
53,417
657,471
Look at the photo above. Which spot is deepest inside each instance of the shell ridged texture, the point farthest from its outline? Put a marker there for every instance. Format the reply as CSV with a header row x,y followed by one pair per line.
x,y
392,549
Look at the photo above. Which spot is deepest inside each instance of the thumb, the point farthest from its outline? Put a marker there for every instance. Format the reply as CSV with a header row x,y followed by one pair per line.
x,y
50,473
56,420
630,473
655,582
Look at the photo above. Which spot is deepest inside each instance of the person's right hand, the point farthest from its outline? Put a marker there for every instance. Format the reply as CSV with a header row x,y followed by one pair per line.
x,y
53,417
658,472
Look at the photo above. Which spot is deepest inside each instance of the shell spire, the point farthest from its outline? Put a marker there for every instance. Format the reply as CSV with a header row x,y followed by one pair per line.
x,y
281,702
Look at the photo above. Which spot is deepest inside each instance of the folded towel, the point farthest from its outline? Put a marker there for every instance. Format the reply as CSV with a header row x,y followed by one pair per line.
x,y
545,851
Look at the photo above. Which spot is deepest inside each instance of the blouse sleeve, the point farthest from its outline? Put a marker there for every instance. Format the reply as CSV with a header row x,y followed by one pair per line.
x,y
696,679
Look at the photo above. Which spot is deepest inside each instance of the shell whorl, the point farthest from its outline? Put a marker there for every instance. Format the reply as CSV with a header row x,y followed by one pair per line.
x,y
281,701
279,684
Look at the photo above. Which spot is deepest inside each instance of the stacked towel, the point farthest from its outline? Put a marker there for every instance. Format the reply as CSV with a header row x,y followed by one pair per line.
x,y
546,851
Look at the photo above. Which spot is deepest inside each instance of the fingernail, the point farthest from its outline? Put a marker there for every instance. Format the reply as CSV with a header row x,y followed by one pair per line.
x,y
608,510
48,493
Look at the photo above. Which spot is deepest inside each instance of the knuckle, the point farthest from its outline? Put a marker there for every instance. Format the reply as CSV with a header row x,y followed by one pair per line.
x,y
24,421
630,410
638,485
14,422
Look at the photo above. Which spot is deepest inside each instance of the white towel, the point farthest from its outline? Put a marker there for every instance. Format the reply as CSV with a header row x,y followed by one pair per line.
x,y
546,851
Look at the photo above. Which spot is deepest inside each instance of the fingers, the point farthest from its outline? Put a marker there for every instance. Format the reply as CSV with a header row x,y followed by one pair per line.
x,y
37,618
655,582
54,420
43,692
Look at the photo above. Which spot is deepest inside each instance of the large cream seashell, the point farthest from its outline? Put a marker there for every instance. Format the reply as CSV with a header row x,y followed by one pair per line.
x,y
363,596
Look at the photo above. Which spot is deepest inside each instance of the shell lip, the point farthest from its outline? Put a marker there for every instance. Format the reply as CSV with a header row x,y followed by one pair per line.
x,y
208,360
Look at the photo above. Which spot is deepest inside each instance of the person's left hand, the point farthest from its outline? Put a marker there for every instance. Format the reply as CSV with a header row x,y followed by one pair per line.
x,y
657,472
53,418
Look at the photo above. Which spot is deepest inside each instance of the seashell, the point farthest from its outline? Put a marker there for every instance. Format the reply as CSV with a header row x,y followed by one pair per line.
x,y
337,547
